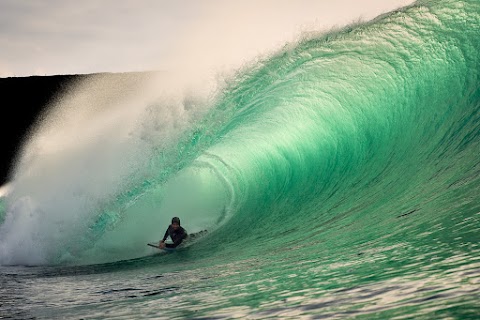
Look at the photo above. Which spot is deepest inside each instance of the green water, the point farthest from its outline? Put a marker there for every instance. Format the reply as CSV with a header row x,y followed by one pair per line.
x,y
338,178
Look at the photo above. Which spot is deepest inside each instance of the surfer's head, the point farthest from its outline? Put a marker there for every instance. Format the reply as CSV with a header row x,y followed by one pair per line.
x,y
175,221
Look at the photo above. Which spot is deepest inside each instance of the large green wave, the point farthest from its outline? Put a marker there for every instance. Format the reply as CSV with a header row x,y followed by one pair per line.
x,y
373,122
363,133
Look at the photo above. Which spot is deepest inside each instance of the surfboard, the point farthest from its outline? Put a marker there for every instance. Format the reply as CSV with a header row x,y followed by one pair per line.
x,y
190,238
155,245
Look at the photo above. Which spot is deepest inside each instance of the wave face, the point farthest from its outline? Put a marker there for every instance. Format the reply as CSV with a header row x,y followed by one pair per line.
x,y
339,176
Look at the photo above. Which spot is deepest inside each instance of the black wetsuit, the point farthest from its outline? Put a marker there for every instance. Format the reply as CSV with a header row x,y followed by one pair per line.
x,y
177,236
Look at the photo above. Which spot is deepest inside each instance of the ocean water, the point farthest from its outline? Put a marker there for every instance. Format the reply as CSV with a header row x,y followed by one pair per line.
x,y
338,178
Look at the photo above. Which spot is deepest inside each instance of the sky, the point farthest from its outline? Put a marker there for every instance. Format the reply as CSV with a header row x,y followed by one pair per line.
x,y
54,37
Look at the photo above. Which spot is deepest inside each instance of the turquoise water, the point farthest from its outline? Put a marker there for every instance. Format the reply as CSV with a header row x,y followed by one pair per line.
x,y
338,178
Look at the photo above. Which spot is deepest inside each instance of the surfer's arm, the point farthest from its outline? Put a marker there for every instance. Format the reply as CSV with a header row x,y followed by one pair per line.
x,y
161,244
165,236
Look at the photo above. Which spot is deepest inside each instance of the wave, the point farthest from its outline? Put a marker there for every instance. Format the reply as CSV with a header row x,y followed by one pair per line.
x,y
354,129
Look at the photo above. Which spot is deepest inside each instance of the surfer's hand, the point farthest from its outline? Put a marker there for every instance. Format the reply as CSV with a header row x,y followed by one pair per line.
x,y
161,244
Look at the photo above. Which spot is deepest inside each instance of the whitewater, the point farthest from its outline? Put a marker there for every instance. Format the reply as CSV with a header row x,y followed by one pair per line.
x,y
337,178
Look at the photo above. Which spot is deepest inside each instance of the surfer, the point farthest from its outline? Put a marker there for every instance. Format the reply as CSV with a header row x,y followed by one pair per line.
x,y
176,233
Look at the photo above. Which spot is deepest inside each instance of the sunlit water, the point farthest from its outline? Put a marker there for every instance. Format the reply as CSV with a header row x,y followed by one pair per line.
x,y
338,178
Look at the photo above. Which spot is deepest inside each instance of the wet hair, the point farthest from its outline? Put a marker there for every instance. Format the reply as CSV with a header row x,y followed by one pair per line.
x,y
176,220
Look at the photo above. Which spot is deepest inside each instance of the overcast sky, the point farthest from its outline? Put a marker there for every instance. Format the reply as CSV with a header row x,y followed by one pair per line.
x,y
46,37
